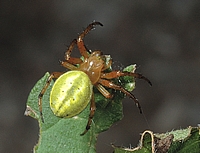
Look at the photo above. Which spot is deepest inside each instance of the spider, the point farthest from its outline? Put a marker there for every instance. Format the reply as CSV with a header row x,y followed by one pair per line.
x,y
73,90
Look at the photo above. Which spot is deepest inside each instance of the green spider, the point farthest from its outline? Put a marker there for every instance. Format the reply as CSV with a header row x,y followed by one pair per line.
x,y
73,90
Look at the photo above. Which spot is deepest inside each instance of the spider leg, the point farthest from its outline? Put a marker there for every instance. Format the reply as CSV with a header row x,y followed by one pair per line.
x,y
116,74
103,91
89,28
116,87
68,57
83,50
52,76
91,115
68,65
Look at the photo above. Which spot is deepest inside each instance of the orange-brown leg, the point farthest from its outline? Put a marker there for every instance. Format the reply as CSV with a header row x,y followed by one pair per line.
x,y
68,65
52,76
91,115
83,50
116,74
116,87
103,91
72,60
68,57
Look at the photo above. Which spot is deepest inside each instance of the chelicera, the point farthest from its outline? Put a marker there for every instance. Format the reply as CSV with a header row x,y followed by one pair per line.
x,y
73,90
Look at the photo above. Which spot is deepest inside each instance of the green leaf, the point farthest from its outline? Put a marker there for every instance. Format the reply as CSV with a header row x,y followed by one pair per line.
x,y
187,140
63,135
179,141
129,81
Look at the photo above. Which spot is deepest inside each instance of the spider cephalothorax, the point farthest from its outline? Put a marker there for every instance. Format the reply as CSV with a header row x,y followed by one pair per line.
x,y
84,73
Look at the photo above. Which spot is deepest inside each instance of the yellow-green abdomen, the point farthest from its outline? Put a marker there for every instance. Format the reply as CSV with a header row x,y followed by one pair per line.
x,y
70,94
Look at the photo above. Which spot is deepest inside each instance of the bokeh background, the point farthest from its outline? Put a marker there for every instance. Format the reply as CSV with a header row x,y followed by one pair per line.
x,y
161,37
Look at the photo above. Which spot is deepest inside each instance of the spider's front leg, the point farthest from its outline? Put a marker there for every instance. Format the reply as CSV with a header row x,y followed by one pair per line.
x,y
88,29
91,115
68,57
53,75
83,50
80,44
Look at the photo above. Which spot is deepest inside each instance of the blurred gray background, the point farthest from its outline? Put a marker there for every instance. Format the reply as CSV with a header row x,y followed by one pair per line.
x,y
161,37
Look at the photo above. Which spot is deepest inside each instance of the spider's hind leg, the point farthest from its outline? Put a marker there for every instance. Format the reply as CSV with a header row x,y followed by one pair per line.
x,y
91,115
110,84
53,75
116,74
